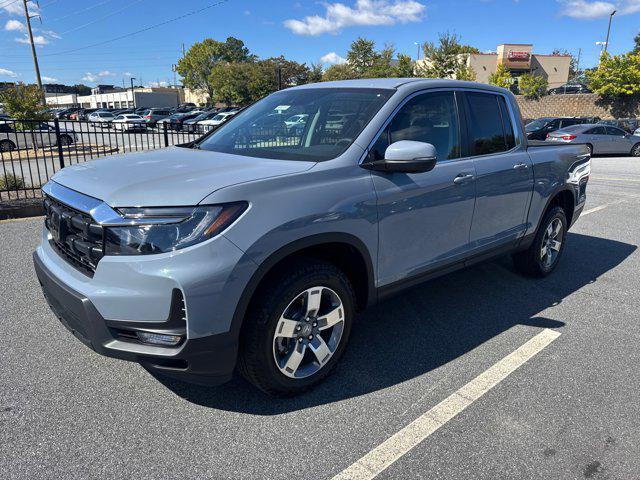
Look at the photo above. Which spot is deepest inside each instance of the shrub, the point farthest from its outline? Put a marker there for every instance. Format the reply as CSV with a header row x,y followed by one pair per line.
x,y
11,182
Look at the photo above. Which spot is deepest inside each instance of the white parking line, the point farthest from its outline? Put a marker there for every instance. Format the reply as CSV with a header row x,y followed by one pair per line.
x,y
601,207
389,451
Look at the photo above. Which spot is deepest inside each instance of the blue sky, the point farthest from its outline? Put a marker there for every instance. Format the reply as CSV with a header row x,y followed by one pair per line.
x,y
306,31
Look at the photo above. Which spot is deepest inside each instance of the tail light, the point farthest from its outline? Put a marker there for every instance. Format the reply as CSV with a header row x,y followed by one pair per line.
x,y
568,137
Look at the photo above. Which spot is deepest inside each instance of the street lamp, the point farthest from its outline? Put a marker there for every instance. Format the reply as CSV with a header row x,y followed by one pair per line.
x,y
606,43
133,95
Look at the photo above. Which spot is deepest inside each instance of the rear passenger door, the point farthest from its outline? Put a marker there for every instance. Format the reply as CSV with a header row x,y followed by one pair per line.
x,y
504,176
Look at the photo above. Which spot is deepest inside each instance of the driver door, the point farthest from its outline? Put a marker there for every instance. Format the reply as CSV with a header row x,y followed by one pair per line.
x,y
424,219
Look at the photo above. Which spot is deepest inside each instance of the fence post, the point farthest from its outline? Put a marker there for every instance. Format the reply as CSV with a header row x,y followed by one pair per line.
x,y
56,124
166,134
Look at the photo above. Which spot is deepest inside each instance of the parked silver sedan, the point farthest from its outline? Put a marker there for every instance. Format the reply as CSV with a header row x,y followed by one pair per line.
x,y
601,139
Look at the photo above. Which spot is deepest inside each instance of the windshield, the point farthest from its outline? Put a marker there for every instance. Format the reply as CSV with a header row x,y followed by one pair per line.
x,y
535,125
332,118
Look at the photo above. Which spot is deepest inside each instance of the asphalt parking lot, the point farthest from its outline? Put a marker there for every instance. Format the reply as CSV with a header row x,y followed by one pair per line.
x,y
569,408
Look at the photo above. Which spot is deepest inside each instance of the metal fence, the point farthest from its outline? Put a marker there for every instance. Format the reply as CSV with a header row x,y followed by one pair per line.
x,y
32,151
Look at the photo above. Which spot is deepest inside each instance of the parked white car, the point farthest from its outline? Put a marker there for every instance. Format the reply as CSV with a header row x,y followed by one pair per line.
x,y
34,135
129,122
102,118
220,118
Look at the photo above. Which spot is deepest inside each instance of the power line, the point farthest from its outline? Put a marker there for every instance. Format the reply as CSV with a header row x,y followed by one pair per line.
x,y
151,27
80,11
103,17
8,3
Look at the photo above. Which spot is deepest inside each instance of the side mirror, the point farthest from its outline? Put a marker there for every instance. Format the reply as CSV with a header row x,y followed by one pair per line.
x,y
406,156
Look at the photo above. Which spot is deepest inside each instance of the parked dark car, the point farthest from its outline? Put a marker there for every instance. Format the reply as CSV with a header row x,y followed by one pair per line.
x,y
570,88
629,125
538,129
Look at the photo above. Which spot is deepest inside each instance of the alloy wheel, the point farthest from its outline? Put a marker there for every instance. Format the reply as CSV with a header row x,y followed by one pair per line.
x,y
309,332
551,243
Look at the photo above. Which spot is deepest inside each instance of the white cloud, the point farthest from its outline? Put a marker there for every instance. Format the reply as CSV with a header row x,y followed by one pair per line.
x,y
332,58
90,77
7,73
587,9
16,8
49,79
158,84
37,39
14,26
365,12
94,77
128,74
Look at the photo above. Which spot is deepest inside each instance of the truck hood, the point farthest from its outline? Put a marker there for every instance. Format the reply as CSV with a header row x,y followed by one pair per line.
x,y
169,177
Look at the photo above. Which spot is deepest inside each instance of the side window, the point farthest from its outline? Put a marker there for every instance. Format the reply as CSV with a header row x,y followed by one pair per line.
x,y
509,133
430,118
568,123
615,131
598,131
486,132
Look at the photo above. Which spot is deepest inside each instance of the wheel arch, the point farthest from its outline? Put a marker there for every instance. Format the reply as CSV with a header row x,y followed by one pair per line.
x,y
342,249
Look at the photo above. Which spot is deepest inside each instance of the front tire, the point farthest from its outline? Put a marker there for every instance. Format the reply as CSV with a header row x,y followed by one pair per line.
x,y
543,256
7,146
635,151
297,328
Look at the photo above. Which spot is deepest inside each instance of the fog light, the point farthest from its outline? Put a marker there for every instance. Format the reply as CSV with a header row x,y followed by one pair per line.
x,y
159,338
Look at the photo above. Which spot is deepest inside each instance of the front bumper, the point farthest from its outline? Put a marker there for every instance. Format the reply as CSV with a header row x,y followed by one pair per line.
x,y
207,360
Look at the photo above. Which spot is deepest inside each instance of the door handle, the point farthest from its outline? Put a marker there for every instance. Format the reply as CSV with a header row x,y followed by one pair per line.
x,y
462,178
519,166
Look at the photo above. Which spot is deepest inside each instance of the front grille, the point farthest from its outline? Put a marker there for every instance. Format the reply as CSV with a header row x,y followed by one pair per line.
x,y
74,235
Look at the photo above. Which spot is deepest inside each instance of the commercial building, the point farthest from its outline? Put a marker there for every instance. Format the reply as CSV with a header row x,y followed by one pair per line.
x,y
119,98
518,58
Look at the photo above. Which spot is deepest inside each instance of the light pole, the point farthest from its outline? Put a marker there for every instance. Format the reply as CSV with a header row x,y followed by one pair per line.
x,y
606,43
418,45
133,95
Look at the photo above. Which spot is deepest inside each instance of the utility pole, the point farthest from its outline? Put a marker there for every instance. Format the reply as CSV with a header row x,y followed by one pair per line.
x,y
33,47
606,43
133,94
418,56
577,72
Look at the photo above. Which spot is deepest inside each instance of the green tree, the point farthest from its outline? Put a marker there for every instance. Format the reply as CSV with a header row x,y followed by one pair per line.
x,y
636,48
198,63
230,83
315,73
382,66
341,71
501,77
533,86
24,102
447,58
616,76
465,72
404,68
81,89
361,56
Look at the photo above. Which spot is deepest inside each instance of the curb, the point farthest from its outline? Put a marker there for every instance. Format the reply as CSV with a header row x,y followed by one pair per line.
x,y
8,212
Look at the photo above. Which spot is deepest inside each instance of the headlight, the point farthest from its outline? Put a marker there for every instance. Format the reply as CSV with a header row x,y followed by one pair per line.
x,y
160,230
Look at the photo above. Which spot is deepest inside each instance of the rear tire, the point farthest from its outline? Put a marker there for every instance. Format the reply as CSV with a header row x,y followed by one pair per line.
x,y
269,342
590,147
635,151
543,255
7,146
65,140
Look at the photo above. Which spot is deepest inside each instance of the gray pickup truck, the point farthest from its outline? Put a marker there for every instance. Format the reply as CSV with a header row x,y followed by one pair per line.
x,y
254,247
